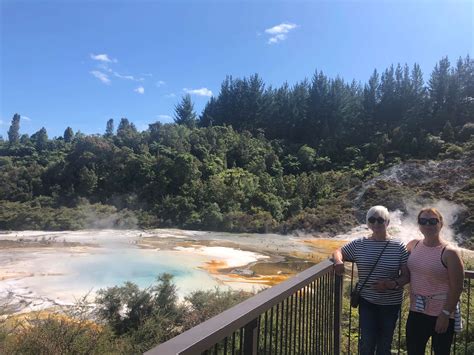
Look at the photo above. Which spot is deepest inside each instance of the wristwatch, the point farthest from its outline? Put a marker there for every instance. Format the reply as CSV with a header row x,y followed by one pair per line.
x,y
445,312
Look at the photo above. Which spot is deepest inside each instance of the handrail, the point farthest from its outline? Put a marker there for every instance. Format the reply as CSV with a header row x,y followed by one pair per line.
x,y
208,333
245,317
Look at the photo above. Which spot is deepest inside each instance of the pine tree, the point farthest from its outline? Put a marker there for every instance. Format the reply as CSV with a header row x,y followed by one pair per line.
x,y
109,130
184,112
68,135
123,127
439,84
448,132
208,114
14,131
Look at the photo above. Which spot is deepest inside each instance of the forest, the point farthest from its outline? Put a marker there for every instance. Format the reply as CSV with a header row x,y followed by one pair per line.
x,y
256,159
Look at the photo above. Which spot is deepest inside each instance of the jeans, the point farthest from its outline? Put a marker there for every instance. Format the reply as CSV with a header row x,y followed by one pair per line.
x,y
377,324
420,327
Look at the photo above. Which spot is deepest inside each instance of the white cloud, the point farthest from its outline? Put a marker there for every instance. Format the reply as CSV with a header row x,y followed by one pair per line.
x,y
281,28
198,92
165,117
103,58
160,83
170,96
279,32
140,90
126,77
2,123
104,67
104,72
101,76
25,118
277,38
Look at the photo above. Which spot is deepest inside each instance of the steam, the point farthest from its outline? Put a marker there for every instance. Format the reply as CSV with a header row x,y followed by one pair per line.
x,y
448,210
404,226
111,221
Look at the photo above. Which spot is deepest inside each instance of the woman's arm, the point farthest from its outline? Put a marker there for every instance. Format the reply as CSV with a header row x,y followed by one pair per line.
x,y
404,276
338,260
456,280
411,244
394,284
403,279
346,253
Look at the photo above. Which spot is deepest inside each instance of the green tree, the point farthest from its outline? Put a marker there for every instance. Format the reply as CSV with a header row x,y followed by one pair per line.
x,y
109,129
439,84
87,181
40,139
184,112
127,135
306,156
68,135
448,132
14,130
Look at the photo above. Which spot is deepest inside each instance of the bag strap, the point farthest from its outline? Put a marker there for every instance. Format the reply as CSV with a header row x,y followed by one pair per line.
x,y
441,257
373,267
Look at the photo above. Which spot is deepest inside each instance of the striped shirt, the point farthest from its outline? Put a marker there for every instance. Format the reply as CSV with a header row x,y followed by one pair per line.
x,y
364,252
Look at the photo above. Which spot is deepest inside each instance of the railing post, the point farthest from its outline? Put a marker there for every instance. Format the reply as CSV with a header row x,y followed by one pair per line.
x,y
250,338
337,313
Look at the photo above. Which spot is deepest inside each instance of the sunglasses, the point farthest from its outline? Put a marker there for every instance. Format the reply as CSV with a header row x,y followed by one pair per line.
x,y
430,221
372,220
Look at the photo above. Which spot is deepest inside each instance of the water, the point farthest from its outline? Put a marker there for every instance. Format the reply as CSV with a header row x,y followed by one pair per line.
x,y
70,275
61,274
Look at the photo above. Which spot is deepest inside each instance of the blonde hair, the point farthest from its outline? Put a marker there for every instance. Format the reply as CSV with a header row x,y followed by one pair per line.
x,y
432,210
380,211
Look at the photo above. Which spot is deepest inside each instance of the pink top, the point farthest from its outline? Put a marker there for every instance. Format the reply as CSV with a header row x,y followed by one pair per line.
x,y
428,278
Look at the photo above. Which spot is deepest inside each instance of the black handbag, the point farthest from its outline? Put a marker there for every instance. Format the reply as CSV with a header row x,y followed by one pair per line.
x,y
355,296
355,293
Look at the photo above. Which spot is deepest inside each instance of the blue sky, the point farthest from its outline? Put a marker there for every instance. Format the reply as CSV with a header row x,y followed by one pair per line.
x,y
79,63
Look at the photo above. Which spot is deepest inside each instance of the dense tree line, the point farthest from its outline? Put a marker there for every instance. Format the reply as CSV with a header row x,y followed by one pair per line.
x,y
394,112
258,158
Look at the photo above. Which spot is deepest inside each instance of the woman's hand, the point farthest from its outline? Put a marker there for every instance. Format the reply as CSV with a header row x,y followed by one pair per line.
x,y
384,285
338,261
442,323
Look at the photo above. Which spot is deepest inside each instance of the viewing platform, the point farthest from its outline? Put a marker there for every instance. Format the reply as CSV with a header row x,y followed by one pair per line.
x,y
307,314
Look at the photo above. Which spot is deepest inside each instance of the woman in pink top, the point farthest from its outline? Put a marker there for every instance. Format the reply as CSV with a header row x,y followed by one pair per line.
x,y
436,283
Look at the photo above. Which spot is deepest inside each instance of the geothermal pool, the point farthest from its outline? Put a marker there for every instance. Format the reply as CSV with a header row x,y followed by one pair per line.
x,y
42,269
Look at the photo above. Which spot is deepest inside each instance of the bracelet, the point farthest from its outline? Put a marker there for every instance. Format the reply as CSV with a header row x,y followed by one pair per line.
x,y
446,312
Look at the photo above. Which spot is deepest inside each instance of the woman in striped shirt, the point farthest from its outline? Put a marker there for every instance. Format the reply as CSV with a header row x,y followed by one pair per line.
x,y
381,295
436,282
